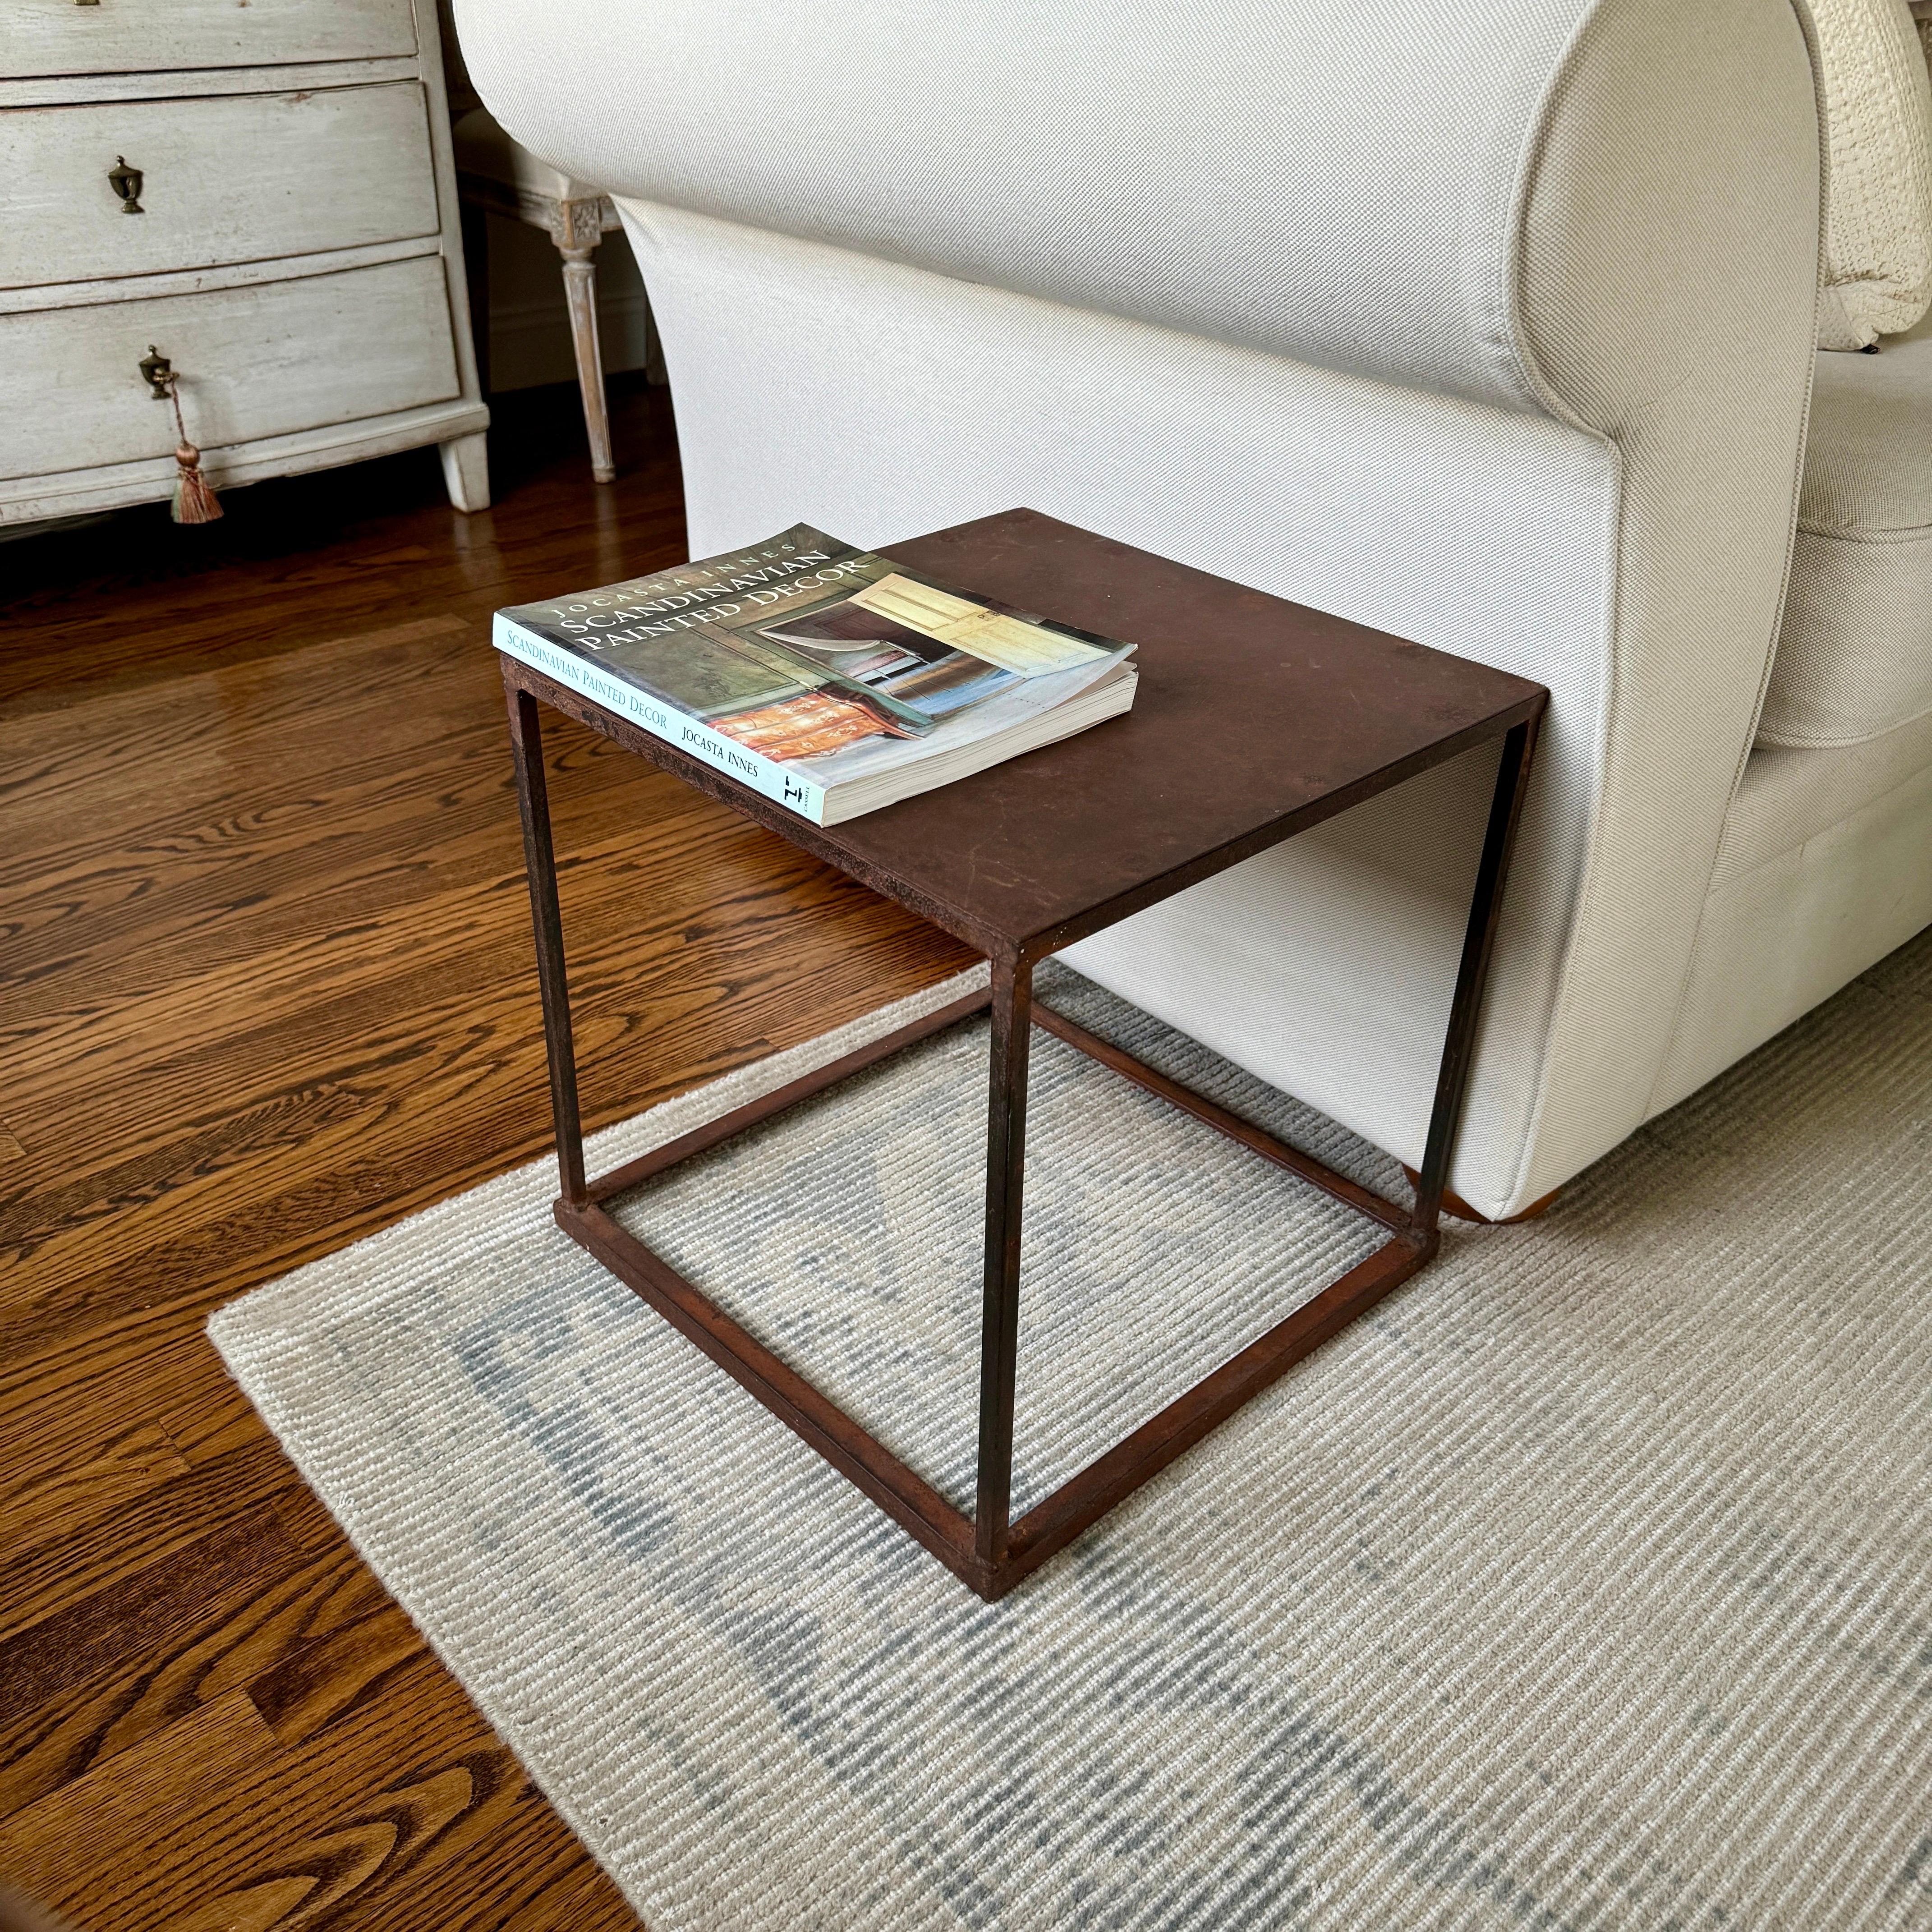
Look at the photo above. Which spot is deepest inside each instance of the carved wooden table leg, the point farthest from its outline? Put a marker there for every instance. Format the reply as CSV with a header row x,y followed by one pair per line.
x,y
576,233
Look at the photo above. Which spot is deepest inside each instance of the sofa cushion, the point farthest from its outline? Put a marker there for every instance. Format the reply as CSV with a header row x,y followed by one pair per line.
x,y
1878,197
1855,655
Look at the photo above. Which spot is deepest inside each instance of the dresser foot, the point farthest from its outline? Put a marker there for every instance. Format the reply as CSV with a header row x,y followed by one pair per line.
x,y
465,470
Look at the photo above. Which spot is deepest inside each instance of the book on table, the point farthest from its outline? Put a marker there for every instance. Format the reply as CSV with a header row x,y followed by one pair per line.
x,y
827,678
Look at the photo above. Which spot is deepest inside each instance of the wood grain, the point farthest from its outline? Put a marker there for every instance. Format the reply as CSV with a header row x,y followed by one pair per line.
x,y
266,986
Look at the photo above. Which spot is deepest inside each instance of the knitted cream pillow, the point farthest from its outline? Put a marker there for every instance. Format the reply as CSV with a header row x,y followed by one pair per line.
x,y
1878,200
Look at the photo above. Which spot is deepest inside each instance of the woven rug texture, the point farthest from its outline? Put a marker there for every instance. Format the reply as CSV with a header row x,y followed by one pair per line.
x,y
1585,1583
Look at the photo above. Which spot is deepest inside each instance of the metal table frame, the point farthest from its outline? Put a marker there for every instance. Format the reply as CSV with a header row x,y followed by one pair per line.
x,y
988,1550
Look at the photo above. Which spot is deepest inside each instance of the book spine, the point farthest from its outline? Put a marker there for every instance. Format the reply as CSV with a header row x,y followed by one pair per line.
x,y
753,769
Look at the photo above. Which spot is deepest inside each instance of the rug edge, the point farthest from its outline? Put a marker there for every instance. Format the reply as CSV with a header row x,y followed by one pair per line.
x,y
244,1333
246,1322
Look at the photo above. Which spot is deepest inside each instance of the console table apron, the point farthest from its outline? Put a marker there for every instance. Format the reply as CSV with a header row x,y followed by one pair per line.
x,y
1309,714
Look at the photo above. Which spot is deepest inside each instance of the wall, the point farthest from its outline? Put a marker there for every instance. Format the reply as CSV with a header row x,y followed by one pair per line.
x,y
529,328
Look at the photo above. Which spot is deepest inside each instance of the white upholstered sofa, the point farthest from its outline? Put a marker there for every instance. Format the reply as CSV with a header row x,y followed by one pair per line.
x,y
1491,325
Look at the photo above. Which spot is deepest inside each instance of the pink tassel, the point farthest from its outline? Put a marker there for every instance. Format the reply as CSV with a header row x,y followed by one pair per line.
x,y
195,500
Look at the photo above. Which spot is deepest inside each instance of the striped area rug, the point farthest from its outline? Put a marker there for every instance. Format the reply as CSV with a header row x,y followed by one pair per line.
x,y
1587,1583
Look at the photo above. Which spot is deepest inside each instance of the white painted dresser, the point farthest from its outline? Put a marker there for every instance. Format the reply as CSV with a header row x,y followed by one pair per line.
x,y
296,254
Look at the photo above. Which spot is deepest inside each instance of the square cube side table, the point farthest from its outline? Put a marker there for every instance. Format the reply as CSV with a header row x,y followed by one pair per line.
x,y
1255,719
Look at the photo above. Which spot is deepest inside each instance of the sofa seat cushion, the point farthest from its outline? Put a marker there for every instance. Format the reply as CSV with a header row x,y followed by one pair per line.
x,y
1855,655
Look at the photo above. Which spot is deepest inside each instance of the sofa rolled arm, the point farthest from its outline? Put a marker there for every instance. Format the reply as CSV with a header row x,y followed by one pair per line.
x,y
1343,185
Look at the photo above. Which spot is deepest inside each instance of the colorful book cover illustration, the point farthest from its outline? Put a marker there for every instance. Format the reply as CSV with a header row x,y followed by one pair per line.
x,y
834,663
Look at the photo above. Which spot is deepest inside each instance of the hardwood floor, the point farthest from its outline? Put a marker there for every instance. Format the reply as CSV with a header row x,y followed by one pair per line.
x,y
266,985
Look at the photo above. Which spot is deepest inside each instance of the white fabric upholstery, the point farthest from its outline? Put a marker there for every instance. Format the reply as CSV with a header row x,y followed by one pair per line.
x,y
1782,934
1878,203
1314,969
1825,866
1855,655
1787,798
1319,182
482,148
1409,327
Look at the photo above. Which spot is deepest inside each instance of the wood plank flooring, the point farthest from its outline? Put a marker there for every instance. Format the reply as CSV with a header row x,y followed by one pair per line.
x,y
266,985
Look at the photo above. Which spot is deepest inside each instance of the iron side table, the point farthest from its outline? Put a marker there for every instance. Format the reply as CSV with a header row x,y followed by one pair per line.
x,y
1255,718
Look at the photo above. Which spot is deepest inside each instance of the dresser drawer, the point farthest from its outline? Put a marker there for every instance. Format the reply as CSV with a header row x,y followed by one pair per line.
x,y
42,37
258,362
237,178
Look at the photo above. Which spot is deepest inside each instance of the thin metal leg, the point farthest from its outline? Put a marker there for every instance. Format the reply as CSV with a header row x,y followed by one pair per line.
x,y
987,1550
540,867
1000,1318
1478,943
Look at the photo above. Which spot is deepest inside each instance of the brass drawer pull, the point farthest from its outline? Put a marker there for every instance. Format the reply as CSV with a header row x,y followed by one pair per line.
x,y
158,372
126,182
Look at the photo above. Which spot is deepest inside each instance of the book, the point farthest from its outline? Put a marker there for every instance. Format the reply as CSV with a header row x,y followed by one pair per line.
x,y
831,679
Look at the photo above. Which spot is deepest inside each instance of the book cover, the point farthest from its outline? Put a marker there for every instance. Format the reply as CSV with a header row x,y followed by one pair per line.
x,y
814,671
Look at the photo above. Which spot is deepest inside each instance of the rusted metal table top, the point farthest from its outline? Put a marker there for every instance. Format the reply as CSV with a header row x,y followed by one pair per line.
x,y
1255,718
